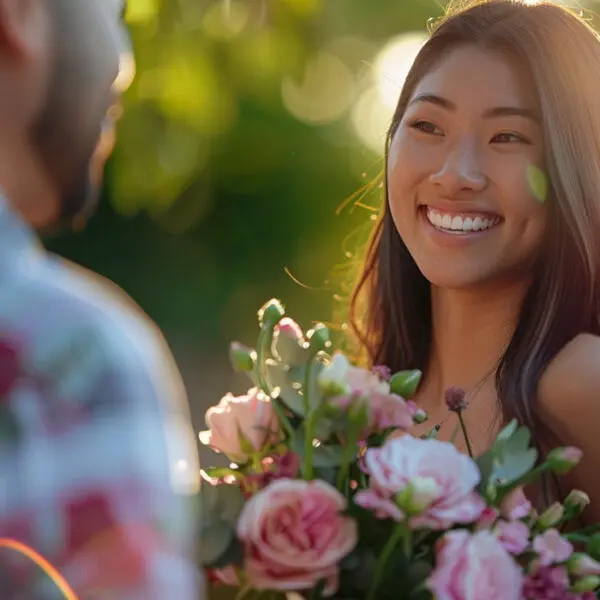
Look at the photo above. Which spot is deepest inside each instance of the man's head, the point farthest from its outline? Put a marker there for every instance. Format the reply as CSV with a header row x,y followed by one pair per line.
x,y
63,64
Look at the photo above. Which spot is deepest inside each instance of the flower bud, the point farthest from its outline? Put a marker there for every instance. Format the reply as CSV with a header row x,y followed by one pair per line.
x,y
582,564
562,460
456,399
241,357
577,499
420,416
332,379
405,383
384,373
288,342
586,584
318,337
418,495
551,516
271,313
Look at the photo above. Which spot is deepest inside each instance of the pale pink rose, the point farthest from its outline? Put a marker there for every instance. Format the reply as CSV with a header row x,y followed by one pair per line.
x,y
251,416
389,411
552,548
294,535
515,505
513,535
383,508
365,383
452,477
474,567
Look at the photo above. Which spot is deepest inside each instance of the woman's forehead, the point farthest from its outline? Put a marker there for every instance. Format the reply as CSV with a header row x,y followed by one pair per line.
x,y
474,75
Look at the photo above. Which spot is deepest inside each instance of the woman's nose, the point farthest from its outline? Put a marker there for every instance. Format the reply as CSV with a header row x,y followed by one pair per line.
x,y
460,172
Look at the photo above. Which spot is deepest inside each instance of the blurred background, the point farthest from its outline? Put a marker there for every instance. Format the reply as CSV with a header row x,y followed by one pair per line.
x,y
250,126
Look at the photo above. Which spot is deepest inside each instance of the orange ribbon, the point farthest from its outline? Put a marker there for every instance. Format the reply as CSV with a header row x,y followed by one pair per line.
x,y
40,561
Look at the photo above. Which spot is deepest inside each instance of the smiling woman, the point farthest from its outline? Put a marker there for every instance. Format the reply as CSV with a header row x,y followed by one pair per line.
x,y
487,278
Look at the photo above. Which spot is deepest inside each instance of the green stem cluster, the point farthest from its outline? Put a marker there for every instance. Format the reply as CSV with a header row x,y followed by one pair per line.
x,y
400,532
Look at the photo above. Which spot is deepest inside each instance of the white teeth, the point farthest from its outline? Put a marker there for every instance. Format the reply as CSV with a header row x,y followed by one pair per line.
x,y
458,223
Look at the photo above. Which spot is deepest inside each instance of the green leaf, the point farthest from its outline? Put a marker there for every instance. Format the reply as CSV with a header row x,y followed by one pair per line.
x,y
232,555
485,464
246,447
507,432
10,430
538,183
405,383
231,502
220,502
220,472
513,464
324,455
213,542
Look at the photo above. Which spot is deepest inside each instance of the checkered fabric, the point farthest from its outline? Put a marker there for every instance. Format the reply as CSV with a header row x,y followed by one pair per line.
x,y
98,460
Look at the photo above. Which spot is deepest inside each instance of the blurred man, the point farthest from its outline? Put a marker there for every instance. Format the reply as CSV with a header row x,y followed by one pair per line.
x,y
96,445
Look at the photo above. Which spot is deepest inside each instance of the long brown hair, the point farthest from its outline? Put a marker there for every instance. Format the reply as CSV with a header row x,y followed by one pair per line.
x,y
390,311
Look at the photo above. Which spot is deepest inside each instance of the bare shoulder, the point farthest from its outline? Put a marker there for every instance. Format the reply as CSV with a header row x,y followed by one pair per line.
x,y
569,403
570,386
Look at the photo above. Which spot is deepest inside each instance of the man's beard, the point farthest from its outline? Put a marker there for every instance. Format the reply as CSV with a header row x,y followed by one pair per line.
x,y
66,152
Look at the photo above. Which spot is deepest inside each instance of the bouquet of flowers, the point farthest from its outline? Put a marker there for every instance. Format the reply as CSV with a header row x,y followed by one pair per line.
x,y
329,495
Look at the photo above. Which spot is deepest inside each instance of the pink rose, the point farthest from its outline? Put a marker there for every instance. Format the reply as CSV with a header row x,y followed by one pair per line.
x,y
552,548
515,505
474,567
250,416
487,519
442,478
514,536
294,535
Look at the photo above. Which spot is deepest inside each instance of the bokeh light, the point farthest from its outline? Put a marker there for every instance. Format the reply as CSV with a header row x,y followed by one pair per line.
x,y
374,109
324,93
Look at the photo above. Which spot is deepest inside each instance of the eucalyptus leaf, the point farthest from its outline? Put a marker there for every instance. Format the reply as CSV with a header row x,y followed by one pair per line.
x,y
514,466
506,433
291,351
231,502
485,464
213,542
405,383
513,456
232,555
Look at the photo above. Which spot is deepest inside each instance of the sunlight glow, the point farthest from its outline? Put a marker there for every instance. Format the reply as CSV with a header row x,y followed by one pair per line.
x,y
373,111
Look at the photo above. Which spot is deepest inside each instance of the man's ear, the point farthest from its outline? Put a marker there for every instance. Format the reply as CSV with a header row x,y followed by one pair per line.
x,y
24,27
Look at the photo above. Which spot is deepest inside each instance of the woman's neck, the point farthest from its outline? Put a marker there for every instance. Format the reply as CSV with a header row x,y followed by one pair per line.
x,y
470,332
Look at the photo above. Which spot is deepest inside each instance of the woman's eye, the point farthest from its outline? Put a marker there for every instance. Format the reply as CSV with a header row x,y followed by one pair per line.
x,y
426,127
509,138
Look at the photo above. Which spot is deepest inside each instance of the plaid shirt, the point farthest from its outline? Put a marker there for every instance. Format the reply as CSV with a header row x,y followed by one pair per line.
x,y
96,447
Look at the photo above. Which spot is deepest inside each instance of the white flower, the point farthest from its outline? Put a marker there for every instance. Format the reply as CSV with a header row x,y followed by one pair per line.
x,y
332,379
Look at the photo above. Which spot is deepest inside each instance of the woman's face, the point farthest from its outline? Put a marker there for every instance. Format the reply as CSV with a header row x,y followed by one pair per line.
x,y
458,171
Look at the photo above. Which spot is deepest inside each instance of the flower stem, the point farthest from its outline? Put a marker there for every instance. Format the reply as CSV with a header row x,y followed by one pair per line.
x,y
386,554
264,339
310,418
464,432
586,531
349,452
